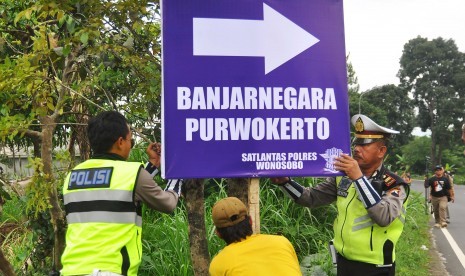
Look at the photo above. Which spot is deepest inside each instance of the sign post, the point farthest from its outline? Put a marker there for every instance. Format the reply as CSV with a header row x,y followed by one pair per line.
x,y
254,203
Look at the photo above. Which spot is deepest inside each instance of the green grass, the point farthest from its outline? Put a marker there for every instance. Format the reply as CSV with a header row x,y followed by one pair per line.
x,y
411,258
13,211
309,230
166,243
166,238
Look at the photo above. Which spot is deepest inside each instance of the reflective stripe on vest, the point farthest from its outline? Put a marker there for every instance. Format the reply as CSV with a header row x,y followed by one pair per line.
x,y
107,217
368,222
117,195
110,206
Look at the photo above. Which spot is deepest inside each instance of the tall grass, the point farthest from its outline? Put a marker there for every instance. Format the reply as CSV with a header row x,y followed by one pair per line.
x,y
309,230
412,258
17,244
166,242
13,213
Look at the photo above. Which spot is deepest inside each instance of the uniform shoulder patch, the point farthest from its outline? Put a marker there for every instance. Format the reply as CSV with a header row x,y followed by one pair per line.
x,y
388,180
391,179
394,192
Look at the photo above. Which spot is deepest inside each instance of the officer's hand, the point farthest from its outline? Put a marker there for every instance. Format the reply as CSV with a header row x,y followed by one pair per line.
x,y
154,151
349,165
279,180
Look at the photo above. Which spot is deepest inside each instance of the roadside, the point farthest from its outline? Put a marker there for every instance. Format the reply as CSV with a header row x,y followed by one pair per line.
x,y
436,262
437,266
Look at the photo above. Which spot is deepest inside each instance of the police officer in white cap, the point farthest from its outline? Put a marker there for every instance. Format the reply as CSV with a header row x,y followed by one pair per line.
x,y
370,200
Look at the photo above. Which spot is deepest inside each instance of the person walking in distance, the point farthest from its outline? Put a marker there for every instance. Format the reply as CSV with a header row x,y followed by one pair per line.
x,y
451,197
439,191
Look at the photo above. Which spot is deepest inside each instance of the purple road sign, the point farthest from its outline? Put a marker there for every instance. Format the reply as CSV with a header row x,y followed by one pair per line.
x,y
253,88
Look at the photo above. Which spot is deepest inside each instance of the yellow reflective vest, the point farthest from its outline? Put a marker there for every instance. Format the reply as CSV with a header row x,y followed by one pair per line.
x,y
104,223
359,238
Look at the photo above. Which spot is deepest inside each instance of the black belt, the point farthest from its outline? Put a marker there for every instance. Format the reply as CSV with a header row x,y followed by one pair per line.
x,y
358,263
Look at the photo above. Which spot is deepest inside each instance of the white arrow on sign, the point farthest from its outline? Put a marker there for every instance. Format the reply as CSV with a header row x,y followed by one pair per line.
x,y
275,38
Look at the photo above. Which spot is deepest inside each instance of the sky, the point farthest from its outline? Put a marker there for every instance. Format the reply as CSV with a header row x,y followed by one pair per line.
x,y
377,30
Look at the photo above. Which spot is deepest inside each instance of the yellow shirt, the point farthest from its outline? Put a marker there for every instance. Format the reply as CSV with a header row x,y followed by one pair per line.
x,y
257,255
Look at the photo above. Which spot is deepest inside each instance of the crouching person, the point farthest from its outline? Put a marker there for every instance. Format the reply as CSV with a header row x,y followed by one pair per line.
x,y
247,253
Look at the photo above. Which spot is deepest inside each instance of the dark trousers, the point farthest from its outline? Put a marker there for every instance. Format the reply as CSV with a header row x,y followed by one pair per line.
x,y
352,268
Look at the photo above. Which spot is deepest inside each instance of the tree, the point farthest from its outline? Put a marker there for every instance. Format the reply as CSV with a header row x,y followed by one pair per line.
x,y
415,154
352,79
433,72
194,190
354,88
388,106
62,61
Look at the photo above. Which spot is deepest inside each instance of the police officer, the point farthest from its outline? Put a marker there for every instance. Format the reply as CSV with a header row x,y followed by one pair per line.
x,y
103,197
370,202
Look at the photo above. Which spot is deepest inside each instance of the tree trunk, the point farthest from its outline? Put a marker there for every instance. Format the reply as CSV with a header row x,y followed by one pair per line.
x,y
247,190
80,130
238,187
193,193
56,213
433,148
433,152
36,144
439,160
5,266
71,150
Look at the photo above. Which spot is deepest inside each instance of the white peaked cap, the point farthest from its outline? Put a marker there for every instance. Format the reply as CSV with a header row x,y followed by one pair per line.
x,y
366,130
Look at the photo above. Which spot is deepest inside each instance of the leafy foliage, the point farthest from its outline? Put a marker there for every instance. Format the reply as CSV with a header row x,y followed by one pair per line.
x,y
415,154
60,62
433,72
391,107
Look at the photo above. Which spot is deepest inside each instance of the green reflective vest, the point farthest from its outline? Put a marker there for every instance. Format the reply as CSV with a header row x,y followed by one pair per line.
x,y
359,238
104,224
